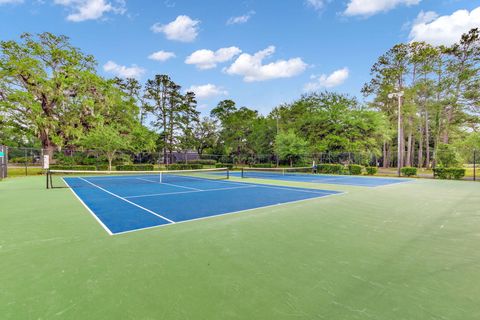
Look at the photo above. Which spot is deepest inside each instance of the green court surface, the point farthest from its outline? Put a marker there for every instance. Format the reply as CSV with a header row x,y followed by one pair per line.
x,y
406,251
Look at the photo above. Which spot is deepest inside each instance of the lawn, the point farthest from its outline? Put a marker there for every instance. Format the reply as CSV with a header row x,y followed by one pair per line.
x,y
406,251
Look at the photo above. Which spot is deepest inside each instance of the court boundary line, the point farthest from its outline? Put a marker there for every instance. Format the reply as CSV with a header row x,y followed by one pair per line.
x,y
128,201
169,184
339,193
186,192
89,210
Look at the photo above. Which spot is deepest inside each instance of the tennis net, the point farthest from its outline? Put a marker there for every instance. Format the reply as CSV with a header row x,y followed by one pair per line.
x,y
81,178
274,172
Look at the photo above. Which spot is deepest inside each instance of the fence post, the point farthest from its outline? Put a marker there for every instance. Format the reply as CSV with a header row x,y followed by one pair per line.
x,y
3,162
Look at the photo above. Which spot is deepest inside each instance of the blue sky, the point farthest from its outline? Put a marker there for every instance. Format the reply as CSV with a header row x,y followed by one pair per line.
x,y
260,53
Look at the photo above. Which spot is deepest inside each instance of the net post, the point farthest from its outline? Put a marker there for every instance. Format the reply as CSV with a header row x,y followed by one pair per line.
x,y
243,174
47,175
228,173
161,177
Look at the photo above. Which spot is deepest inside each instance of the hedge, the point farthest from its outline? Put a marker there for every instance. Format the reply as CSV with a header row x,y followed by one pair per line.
x,y
449,173
330,168
409,171
207,162
134,167
262,165
20,160
371,170
184,166
224,165
354,169
72,167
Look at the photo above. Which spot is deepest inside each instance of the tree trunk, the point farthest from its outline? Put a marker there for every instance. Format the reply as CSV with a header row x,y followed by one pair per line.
x,y
408,162
427,141
420,148
385,155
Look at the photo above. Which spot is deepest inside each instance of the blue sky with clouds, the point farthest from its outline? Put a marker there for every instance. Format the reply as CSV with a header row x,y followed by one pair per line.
x,y
259,53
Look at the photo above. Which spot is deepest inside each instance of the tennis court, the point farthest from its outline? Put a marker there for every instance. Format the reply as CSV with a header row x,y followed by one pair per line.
x,y
305,175
125,202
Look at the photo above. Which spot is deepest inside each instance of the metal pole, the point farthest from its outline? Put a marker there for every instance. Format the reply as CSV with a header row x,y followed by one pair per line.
x,y
399,142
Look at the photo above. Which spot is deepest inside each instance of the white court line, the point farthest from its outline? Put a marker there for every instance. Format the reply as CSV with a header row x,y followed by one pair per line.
x,y
170,184
182,192
128,201
88,209
233,212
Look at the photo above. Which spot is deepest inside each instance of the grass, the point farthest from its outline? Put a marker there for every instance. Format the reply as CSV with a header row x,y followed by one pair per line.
x,y
407,251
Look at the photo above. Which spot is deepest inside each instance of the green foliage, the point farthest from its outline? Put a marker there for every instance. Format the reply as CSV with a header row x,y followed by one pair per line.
x,y
354,169
262,165
330,168
447,156
289,146
108,140
332,122
449,173
72,167
371,170
183,166
20,160
135,167
408,171
224,165
208,162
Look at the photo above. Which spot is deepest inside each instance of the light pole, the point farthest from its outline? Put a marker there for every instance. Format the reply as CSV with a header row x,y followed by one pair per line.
x,y
399,96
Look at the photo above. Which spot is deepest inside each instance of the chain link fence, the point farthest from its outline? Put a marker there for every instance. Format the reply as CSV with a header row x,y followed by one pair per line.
x,y
29,161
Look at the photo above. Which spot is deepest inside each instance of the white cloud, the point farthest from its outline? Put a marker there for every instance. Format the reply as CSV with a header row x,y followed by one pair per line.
x,y
161,55
123,71
207,91
207,59
90,9
371,7
183,29
250,67
316,4
335,79
446,30
10,1
240,19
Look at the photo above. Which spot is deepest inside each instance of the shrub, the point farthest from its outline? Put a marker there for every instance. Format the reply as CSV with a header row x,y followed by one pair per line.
x,y
72,167
224,165
207,162
449,173
354,169
330,168
134,167
184,166
409,171
19,160
371,170
447,156
262,165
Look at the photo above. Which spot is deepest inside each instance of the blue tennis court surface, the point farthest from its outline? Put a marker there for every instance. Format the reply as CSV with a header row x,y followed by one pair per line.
x,y
123,204
322,178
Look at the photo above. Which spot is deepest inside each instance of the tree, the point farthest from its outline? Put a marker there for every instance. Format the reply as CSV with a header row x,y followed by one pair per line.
x,y
108,140
49,89
205,134
44,79
289,146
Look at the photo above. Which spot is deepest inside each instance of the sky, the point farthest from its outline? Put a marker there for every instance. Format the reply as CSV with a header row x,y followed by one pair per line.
x,y
259,53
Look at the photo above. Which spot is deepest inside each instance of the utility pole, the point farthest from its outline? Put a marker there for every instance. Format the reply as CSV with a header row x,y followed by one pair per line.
x,y
399,96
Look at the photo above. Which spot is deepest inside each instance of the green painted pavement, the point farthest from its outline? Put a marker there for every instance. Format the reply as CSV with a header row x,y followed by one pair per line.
x,y
408,251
